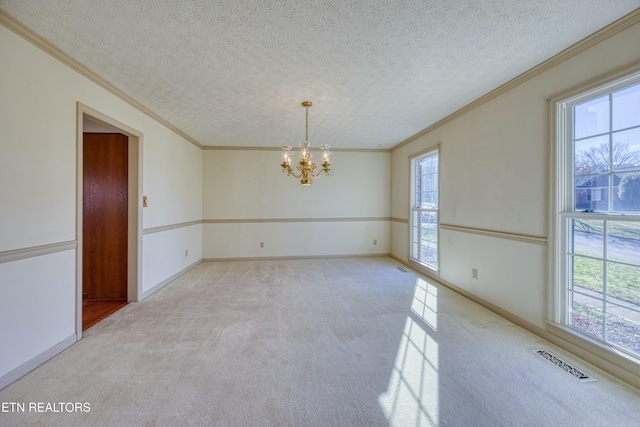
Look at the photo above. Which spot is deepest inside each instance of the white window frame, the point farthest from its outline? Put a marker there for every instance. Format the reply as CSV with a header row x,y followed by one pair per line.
x,y
561,204
433,269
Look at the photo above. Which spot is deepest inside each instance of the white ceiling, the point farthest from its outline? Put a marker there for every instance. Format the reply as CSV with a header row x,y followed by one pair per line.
x,y
234,72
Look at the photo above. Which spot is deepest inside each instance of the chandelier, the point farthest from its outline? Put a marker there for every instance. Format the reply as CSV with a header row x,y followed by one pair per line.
x,y
305,165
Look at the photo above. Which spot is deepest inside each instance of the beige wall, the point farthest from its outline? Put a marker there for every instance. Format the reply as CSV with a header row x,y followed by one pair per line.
x,y
247,200
38,122
494,167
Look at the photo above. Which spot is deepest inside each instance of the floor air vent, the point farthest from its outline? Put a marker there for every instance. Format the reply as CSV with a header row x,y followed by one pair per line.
x,y
402,269
581,376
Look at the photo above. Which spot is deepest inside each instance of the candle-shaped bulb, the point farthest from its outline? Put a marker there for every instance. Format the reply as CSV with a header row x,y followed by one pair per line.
x,y
286,154
326,154
304,151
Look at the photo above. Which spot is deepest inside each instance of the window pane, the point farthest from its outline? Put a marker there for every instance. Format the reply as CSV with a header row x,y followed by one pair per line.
x,y
587,315
418,184
415,234
623,241
431,258
623,327
433,224
592,155
427,181
588,237
425,237
626,108
429,226
588,275
626,192
592,193
623,283
429,200
591,118
424,226
626,150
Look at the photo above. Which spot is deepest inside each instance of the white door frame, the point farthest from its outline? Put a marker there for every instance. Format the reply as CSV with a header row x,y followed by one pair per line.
x,y
134,245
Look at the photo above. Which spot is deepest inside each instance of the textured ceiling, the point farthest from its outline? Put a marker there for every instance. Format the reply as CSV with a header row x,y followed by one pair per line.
x,y
233,72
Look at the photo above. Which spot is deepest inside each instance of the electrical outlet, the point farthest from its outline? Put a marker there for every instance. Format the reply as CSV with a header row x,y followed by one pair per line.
x,y
186,252
474,273
375,242
262,244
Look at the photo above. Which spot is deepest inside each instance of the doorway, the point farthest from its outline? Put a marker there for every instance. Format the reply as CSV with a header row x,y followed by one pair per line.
x,y
105,225
109,213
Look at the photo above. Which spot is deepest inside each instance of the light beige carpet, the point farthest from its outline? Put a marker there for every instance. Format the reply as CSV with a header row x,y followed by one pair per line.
x,y
338,342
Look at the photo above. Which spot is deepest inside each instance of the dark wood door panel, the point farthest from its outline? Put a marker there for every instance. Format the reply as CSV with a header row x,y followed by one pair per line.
x,y
105,216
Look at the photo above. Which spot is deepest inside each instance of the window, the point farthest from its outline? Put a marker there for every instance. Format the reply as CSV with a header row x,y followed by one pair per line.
x,y
424,209
597,252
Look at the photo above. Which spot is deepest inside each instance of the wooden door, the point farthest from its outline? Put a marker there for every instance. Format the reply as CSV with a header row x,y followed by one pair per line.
x,y
105,216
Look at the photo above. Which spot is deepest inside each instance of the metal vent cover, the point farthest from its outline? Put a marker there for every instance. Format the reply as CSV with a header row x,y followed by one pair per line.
x,y
565,366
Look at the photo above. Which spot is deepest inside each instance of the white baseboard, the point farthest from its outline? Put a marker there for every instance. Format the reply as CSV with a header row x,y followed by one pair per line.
x,y
165,282
290,258
30,365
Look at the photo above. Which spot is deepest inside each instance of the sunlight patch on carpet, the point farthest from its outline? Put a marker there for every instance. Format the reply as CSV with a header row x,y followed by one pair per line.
x,y
412,395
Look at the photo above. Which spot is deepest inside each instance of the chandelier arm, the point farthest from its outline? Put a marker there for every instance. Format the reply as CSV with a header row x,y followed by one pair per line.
x,y
290,171
325,169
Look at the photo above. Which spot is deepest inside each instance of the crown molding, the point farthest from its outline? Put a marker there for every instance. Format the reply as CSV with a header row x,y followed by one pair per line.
x,y
334,150
610,30
45,45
